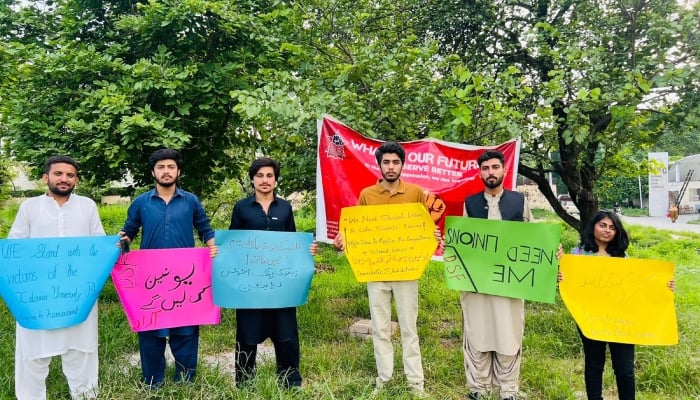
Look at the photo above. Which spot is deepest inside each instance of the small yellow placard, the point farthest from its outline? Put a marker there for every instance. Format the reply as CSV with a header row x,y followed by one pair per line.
x,y
392,242
621,300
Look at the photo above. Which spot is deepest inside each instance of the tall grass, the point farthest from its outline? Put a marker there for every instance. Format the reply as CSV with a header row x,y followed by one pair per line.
x,y
336,365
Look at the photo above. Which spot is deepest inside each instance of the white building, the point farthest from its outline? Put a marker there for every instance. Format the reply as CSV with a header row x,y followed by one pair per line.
x,y
678,172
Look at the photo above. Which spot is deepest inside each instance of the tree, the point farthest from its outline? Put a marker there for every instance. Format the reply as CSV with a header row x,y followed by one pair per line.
x,y
582,79
110,81
350,59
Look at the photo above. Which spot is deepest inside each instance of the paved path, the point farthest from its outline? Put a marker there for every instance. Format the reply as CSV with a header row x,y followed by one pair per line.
x,y
665,223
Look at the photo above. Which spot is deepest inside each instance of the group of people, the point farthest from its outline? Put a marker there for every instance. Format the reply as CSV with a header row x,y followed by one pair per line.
x,y
167,216
493,326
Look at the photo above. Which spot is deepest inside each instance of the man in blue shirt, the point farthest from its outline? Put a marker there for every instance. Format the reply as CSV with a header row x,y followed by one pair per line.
x,y
168,217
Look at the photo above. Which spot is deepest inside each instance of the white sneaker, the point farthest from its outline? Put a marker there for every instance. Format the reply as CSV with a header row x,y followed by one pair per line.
x,y
378,386
417,391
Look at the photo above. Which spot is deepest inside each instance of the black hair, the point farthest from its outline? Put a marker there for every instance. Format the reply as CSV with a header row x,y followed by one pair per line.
x,y
489,154
59,159
164,154
617,246
391,148
264,162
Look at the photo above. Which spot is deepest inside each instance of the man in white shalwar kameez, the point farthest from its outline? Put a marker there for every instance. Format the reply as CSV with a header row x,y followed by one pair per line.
x,y
58,213
493,325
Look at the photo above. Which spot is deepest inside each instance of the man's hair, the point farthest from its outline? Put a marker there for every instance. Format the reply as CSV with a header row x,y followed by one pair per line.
x,y
617,246
490,154
264,162
59,159
164,154
390,148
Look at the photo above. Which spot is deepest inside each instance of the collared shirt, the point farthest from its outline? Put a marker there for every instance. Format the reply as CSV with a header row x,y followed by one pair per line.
x,y
255,325
41,217
167,226
248,214
405,193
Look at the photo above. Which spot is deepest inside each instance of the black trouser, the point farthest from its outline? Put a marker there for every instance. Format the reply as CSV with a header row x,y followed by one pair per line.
x,y
286,354
622,356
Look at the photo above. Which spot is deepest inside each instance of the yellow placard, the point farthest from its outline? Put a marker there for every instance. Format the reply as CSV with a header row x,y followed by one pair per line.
x,y
392,242
621,300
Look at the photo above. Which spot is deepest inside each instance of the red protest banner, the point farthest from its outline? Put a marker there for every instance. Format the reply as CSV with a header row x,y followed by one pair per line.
x,y
346,165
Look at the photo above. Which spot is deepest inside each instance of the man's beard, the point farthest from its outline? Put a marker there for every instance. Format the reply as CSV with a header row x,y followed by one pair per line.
x,y
393,179
494,184
166,184
58,192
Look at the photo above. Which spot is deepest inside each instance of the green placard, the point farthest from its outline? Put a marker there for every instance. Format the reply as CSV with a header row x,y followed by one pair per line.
x,y
504,258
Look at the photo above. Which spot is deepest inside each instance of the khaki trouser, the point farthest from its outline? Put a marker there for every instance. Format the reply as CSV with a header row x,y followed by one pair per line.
x,y
405,295
487,369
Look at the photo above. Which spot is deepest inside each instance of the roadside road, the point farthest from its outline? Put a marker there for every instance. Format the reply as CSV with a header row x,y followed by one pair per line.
x,y
665,223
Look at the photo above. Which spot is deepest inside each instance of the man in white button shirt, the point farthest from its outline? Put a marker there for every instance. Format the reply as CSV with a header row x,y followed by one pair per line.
x,y
58,213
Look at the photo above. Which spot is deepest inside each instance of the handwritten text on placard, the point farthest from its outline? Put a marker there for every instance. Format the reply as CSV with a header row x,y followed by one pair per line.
x,y
504,258
262,269
392,242
166,288
622,300
51,283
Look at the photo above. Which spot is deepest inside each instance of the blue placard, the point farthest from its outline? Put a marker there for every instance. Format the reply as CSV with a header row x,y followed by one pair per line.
x,y
51,283
262,269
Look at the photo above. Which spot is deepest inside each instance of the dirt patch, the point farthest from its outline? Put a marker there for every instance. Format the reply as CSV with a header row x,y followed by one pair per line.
x,y
223,361
321,268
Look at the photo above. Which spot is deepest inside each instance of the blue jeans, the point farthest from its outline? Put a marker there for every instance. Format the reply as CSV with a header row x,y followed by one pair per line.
x,y
152,351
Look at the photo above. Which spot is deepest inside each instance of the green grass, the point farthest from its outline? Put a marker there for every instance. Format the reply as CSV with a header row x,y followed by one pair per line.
x,y
336,365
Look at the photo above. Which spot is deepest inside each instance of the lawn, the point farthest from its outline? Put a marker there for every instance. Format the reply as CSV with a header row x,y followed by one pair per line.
x,y
336,365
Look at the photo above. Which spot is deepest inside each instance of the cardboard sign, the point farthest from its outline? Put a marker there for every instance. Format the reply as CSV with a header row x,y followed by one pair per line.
x,y
504,258
51,283
262,269
621,300
166,288
392,242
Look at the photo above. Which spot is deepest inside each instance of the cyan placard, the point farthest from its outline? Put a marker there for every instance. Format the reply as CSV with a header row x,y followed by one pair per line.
x,y
262,269
504,258
51,283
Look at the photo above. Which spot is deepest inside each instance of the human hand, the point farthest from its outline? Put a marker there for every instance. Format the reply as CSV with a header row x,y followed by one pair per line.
x,y
672,285
560,251
213,250
123,242
338,242
440,239
313,249
560,276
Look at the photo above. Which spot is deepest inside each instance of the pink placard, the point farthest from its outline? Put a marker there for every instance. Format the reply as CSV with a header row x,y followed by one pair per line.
x,y
166,288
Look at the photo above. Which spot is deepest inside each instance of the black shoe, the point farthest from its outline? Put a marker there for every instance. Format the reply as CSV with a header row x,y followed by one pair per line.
x,y
474,396
509,398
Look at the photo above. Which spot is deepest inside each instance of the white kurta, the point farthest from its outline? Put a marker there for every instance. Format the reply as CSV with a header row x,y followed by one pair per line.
x,y
42,217
494,323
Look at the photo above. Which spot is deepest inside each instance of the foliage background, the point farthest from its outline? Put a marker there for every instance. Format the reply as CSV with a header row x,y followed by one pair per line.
x,y
587,85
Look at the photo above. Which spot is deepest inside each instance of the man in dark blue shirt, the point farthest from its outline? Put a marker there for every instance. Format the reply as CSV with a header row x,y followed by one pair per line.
x,y
168,216
265,211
